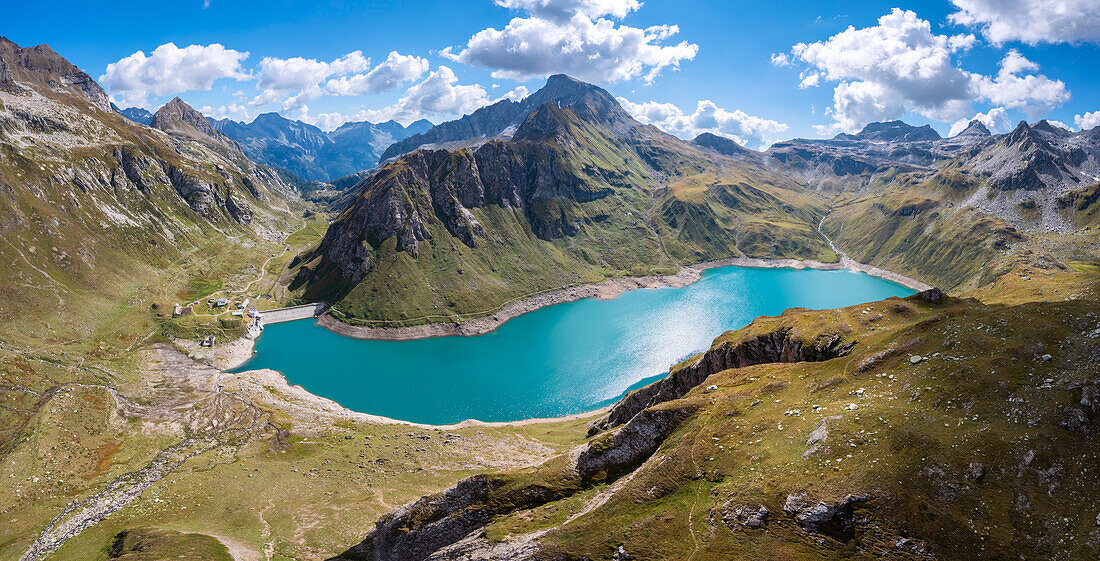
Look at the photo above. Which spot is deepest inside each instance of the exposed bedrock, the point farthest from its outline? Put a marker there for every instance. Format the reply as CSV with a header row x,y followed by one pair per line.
x,y
780,345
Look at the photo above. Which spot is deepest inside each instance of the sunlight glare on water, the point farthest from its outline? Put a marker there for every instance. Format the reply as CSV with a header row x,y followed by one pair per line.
x,y
559,360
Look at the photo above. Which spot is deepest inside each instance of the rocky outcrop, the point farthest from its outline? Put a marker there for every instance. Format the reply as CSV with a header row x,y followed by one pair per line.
x,y
238,208
744,516
416,530
199,194
836,519
629,446
778,346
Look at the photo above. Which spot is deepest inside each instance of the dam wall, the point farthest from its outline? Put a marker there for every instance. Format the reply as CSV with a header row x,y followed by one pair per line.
x,y
292,313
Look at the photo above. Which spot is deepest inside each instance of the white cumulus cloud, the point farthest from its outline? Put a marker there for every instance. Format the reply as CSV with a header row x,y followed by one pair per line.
x,y
567,36
996,120
391,73
1031,21
297,73
884,69
1087,121
747,130
438,94
1031,93
900,65
170,70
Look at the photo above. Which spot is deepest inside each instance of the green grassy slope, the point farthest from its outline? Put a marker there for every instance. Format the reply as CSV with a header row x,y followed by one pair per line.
x,y
969,453
593,206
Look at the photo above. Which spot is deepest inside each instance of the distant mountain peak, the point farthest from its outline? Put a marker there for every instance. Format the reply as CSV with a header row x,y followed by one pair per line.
x,y
135,114
177,117
589,102
897,131
721,144
975,128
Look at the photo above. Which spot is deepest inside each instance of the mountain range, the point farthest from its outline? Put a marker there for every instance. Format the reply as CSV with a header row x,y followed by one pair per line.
x,y
303,149
957,423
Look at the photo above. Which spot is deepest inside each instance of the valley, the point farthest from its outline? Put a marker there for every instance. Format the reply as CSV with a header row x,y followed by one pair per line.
x,y
957,422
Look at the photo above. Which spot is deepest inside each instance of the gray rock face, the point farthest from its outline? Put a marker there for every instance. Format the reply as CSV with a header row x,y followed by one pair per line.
x,y
834,519
747,516
238,208
198,193
778,346
630,445
415,531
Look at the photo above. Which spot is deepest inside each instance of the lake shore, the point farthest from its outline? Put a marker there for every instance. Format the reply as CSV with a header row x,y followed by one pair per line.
x,y
603,290
292,395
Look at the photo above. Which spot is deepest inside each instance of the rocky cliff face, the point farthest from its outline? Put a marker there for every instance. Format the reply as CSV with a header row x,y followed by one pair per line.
x,y
781,345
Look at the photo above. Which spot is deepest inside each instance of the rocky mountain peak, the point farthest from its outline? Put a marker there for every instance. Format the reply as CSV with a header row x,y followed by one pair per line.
x,y
591,103
1024,137
975,128
721,144
40,66
178,117
1047,127
897,131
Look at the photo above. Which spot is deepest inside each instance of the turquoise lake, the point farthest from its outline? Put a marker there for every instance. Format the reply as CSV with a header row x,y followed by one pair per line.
x,y
563,359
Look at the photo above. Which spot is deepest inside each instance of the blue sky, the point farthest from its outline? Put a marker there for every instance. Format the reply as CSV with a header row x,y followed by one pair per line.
x,y
754,71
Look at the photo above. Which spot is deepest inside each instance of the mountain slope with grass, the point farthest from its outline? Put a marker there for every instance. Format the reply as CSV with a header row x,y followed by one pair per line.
x,y
927,427
579,193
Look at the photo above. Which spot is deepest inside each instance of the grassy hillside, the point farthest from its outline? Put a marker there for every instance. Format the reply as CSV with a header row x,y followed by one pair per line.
x,y
964,453
444,236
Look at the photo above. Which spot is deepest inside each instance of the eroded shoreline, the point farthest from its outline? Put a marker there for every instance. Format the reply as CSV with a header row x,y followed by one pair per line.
x,y
603,290
238,352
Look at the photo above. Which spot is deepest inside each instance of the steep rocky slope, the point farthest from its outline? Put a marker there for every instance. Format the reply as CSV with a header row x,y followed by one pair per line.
x,y
87,197
309,152
579,192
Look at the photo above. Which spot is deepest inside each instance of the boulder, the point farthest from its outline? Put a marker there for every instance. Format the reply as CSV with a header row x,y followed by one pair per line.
x,y
741,515
837,519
